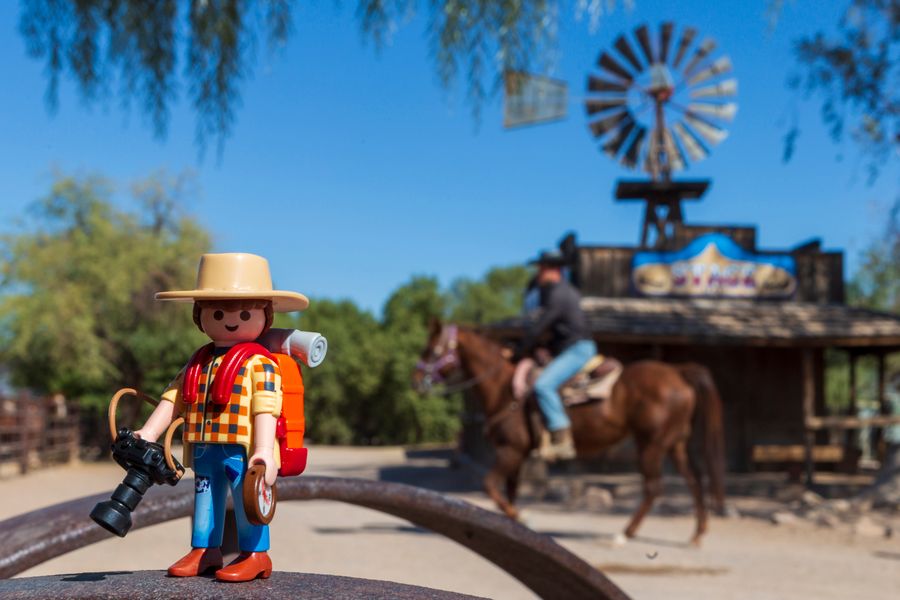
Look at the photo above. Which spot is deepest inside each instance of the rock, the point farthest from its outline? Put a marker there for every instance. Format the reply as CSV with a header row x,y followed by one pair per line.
x,y
782,517
839,506
866,527
811,499
597,498
825,519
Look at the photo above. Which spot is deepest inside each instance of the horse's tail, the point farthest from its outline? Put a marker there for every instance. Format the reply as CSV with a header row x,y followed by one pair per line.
x,y
707,424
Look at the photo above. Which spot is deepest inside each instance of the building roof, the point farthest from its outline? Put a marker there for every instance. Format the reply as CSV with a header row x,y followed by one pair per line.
x,y
734,322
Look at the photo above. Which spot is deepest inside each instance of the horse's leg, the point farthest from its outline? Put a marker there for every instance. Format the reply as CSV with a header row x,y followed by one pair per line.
x,y
679,456
512,486
651,458
508,462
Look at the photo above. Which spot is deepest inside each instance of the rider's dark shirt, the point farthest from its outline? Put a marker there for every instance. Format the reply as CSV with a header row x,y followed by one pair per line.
x,y
561,316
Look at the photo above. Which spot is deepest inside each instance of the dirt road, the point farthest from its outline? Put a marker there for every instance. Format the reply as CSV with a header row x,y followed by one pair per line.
x,y
742,558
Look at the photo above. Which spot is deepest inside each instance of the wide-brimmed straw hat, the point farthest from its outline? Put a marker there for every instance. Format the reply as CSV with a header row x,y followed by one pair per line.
x,y
237,276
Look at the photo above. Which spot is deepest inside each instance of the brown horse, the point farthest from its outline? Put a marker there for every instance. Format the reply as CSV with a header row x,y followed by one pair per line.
x,y
662,405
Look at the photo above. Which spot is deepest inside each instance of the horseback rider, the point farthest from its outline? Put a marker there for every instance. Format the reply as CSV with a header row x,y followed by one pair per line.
x,y
570,344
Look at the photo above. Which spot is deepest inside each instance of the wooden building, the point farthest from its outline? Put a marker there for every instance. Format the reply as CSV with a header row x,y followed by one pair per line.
x,y
761,320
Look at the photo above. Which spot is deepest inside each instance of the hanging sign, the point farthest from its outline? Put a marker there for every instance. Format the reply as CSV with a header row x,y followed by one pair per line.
x,y
714,265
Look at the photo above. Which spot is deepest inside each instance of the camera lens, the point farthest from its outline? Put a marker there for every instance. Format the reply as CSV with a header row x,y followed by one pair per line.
x,y
114,515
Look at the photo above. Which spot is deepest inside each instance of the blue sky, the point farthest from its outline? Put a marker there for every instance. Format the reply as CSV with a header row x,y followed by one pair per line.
x,y
352,170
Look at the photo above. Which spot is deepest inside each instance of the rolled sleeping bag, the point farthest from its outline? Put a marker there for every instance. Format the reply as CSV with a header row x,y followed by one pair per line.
x,y
308,347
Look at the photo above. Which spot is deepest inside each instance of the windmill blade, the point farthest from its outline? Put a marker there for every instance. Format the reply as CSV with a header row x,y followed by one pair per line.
x,y
643,36
596,84
711,134
630,158
665,36
625,50
606,124
594,106
725,111
717,90
720,66
702,52
690,142
675,156
609,63
615,144
687,36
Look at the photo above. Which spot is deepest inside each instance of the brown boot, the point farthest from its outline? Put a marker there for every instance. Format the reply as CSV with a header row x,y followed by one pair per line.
x,y
246,567
197,561
562,447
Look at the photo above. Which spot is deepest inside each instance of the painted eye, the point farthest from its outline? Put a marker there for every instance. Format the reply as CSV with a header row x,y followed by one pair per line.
x,y
245,315
218,315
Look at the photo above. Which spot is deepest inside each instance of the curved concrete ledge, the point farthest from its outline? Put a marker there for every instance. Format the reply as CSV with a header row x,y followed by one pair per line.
x,y
536,560
155,584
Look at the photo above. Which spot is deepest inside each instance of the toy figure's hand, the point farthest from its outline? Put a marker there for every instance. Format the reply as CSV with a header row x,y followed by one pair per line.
x,y
266,456
146,435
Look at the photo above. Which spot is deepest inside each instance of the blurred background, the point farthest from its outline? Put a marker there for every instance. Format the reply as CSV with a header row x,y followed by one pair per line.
x,y
360,147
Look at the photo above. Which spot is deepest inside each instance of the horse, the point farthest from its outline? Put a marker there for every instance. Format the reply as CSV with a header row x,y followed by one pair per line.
x,y
662,405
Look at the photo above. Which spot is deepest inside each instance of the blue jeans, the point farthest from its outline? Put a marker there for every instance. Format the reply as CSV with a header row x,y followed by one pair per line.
x,y
218,467
554,375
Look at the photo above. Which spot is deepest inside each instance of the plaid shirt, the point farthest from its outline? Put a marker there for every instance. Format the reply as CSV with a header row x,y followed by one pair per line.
x,y
256,390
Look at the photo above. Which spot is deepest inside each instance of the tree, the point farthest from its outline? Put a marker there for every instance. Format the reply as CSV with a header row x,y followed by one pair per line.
x,y
137,44
876,283
856,76
497,296
77,314
362,393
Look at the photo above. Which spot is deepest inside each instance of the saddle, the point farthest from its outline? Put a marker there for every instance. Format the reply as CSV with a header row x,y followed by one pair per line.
x,y
593,382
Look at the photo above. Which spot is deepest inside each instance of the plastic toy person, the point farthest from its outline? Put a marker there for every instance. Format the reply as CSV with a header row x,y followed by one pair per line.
x,y
230,395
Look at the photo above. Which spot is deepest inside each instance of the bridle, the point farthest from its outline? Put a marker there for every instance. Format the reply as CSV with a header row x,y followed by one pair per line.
x,y
446,354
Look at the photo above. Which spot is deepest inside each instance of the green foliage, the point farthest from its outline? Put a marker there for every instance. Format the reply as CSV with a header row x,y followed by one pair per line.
x,y
77,316
362,394
136,44
875,285
497,296
77,313
854,74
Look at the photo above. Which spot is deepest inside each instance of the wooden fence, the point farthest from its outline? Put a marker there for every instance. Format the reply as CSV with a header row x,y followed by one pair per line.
x,y
36,431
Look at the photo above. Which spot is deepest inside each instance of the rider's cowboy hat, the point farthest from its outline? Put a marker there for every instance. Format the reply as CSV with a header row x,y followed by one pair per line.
x,y
549,258
237,276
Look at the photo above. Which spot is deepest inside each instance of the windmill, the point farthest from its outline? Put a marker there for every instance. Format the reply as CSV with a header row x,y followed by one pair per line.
x,y
657,102
662,109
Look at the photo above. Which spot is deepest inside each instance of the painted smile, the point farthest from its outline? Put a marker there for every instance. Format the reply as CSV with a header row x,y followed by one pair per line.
x,y
231,328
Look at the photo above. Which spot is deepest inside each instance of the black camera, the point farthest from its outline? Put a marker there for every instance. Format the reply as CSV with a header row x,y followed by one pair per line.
x,y
146,464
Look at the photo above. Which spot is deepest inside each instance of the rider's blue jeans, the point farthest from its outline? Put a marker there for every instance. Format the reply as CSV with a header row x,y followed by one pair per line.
x,y
554,375
218,467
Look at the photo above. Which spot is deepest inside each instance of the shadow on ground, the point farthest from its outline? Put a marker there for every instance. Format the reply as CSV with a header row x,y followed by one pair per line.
x,y
433,469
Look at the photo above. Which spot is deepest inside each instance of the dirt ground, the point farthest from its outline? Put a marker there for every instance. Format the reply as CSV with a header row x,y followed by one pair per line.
x,y
748,557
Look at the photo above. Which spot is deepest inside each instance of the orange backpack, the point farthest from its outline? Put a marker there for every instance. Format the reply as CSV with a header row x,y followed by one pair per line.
x,y
291,423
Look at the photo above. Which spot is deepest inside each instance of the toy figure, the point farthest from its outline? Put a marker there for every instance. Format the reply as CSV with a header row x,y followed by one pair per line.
x,y
230,394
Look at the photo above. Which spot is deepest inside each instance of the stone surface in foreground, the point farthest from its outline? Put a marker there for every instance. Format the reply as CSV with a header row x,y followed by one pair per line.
x,y
155,584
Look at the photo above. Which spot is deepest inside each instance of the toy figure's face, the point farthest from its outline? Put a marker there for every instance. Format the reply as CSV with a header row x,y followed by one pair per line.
x,y
228,324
